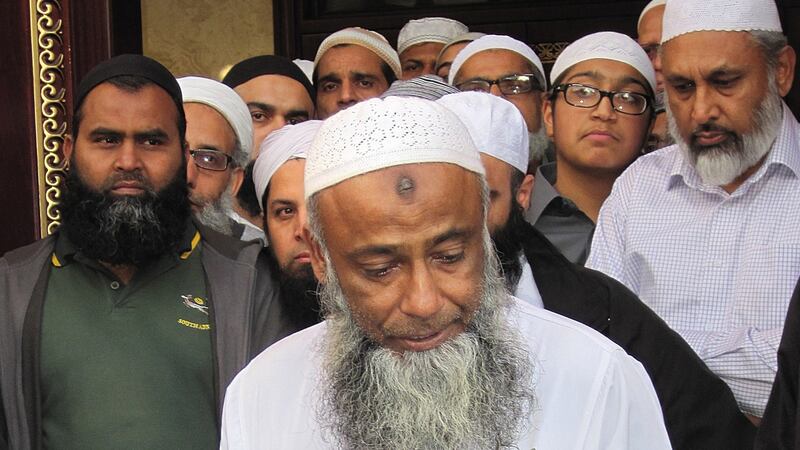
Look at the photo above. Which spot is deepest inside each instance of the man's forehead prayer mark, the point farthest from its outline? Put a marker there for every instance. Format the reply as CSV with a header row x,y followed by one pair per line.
x,y
405,186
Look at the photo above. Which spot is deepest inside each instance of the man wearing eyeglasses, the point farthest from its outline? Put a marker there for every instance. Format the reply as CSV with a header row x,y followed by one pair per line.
x,y
220,138
508,68
598,115
706,231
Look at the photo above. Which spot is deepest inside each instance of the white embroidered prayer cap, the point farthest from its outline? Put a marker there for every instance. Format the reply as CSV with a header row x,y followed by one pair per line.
x,y
440,30
283,144
226,102
687,16
497,42
651,5
380,133
307,67
495,125
605,45
371,40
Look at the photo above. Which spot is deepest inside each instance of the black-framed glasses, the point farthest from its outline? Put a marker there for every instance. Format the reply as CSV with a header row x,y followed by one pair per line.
x,y
582,96
210,159
510,85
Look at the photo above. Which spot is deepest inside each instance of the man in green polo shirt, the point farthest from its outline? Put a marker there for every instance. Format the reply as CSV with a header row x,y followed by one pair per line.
x,y
124,328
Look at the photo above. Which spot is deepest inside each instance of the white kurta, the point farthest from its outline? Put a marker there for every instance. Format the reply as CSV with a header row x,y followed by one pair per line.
x,y
589,393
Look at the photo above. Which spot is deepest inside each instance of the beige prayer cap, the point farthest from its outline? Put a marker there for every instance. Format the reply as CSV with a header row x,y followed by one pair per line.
x,y
380,133
687,16
440,30
371,40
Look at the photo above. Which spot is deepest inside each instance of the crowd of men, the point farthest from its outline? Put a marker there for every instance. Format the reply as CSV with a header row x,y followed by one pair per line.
x,y
436,245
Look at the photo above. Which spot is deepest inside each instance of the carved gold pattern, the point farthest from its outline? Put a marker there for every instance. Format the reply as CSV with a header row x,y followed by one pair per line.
x,y
49,92
549,51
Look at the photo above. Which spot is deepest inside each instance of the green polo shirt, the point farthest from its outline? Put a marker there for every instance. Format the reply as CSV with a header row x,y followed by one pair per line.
x,y
127,366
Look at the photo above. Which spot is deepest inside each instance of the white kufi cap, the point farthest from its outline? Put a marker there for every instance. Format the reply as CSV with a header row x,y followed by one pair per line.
x,y
496,126
497,42
687,16
605,45
380,133
651,5
429,29
307,67
225,101
288,142
371,40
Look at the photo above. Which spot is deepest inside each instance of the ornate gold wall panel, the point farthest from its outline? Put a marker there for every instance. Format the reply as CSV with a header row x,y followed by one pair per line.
x,y
205,37
47,56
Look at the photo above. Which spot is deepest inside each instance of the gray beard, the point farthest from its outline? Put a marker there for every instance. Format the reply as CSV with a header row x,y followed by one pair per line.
x,y
214,215
473,391
538,143
721,164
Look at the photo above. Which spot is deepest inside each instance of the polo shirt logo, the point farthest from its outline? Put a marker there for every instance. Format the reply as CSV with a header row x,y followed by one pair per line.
x,y
195,303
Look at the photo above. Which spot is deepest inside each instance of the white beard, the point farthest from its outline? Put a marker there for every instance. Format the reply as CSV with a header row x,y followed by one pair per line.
x,y
722,164
538,143
214,215
474,391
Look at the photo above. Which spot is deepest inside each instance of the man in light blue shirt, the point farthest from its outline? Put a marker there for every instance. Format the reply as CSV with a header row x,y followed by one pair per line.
x,y
705,232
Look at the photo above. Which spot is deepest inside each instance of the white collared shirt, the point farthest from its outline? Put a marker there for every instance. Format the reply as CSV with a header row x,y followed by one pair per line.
x,y
719,268
589,393
526,289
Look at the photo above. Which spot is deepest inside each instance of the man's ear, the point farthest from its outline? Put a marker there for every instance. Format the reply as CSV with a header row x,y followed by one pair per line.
x,y
237,178
784,72
525,192
317,260
547,117
69,145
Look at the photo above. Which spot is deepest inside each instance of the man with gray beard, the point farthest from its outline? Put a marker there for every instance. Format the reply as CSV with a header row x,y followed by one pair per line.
x,y
705,232
220,137
422,347
123,328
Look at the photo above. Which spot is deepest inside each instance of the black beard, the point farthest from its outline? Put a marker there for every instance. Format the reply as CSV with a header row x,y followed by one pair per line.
x,y
508,244
125,230
298,293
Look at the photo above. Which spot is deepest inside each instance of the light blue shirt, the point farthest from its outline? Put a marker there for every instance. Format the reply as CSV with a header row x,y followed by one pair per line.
x,y
719,268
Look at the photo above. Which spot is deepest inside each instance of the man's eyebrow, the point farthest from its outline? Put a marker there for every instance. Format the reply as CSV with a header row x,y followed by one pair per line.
x,y
363,76
298,113
154,133
449,235
444,64
631,80
593,74
261,106
331,78
724,71
281,202
105,132
372,250
209,147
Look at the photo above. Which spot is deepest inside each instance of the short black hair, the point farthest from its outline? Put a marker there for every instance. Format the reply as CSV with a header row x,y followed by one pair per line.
x,y
130,83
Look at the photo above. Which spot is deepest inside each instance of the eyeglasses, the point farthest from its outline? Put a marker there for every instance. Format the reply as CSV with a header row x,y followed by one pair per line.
x,y
510,85
582,96
210,159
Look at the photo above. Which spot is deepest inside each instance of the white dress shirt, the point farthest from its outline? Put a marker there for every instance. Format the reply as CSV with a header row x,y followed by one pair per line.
x,y
719,268
526,289
589,393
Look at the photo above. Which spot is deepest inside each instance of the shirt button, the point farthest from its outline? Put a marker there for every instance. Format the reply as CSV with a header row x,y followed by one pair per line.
x,y
114,285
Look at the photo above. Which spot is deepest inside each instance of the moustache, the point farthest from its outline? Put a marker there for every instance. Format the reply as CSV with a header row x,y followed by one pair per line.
x,y
131,176
711,127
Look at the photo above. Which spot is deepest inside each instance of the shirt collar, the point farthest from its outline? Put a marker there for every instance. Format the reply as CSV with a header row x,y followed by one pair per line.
x,y
785,151
65,250
543,191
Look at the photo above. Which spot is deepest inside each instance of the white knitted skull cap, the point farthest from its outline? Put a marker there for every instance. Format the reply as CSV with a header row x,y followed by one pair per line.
x,y
605,45
371,40
225,101
688,16
648,8
440,30
496,126
381,133
283,144
497,42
